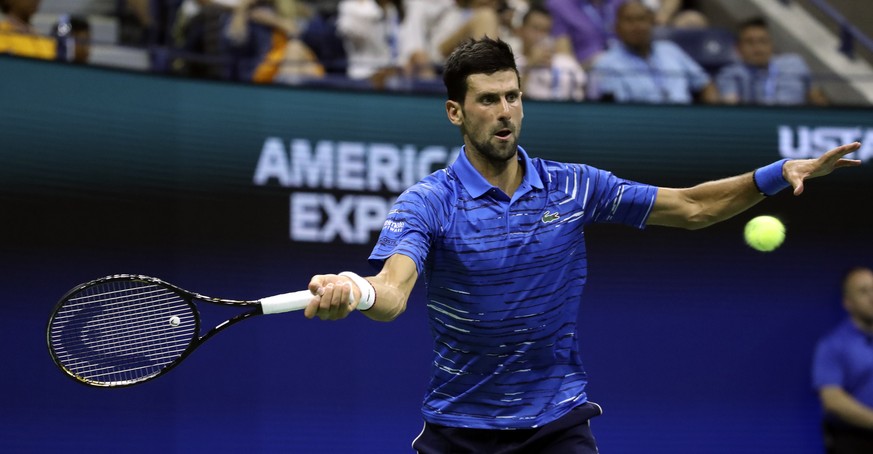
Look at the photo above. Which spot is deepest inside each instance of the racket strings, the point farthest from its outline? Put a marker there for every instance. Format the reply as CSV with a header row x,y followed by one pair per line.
x,y
121,332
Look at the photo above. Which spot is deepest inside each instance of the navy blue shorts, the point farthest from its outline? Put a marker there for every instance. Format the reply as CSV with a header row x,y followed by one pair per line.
x,y
569,434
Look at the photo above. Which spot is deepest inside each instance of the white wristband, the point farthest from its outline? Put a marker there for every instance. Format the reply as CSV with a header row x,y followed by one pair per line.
x,y
368,293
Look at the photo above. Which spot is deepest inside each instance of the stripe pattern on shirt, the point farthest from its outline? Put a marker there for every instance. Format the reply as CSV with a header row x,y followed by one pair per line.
x,y
504,284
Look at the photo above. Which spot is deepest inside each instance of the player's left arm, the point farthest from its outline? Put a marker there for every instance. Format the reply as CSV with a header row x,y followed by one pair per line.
x,y
714,201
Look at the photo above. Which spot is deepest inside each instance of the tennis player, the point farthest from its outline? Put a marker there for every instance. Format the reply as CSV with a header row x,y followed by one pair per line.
x,y
499,237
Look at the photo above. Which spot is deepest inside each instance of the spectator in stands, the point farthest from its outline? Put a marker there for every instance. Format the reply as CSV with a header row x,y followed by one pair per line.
x,y
679,14
586,27
583,27
370,31
198,34
80,29
764,78
546,73
431,29
512,12
842,370
322,37
637,68
287,59
142,12
17,34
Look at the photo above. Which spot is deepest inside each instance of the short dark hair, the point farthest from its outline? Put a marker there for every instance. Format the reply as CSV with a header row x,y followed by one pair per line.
x,y
755,22
476,56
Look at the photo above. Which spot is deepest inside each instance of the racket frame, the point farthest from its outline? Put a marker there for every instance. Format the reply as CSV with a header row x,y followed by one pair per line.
x,y
187,296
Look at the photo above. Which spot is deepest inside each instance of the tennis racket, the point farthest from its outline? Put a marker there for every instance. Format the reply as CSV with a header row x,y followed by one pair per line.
x,y
126,329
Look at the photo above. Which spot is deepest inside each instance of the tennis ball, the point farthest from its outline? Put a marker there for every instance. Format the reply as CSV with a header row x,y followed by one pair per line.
x,y
764,233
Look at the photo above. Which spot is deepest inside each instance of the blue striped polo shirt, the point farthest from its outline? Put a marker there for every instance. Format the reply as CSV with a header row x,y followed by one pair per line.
x,y
504,283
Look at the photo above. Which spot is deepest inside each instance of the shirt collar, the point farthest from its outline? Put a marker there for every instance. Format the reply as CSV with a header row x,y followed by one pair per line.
x,y
477,185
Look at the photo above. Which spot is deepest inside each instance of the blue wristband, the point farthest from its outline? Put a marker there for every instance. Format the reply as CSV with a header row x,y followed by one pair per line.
x,y
769,179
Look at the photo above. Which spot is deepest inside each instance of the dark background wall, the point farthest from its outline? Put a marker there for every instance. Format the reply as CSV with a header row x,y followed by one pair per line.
x,y
694,343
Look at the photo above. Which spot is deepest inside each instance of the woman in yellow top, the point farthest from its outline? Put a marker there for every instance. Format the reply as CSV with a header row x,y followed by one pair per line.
x,y
17,35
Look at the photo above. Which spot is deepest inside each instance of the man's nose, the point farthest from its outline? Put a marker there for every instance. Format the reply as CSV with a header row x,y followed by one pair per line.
x,y
505,109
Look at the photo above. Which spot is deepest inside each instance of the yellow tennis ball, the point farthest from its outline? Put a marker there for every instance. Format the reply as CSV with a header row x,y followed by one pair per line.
x,y
764,233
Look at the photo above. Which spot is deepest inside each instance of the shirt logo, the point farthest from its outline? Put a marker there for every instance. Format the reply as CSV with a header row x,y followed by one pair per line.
x,y
393,226
550,217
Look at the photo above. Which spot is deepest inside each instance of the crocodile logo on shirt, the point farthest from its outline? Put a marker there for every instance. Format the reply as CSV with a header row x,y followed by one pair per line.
x,y
550,217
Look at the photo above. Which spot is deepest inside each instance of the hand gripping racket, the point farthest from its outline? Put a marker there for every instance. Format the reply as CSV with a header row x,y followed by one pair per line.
x,y
125,329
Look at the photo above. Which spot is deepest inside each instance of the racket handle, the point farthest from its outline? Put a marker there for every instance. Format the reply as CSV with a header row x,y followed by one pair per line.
x,y
286,302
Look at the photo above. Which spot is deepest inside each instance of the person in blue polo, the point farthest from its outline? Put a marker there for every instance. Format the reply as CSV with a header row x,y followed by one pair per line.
x,y
842,370
764,77
498,237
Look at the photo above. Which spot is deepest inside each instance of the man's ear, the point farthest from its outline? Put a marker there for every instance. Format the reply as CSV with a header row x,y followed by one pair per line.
x,y
454,112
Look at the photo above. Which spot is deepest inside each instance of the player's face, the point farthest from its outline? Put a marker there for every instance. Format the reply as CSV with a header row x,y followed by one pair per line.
x,y
755,46
490,116
858,296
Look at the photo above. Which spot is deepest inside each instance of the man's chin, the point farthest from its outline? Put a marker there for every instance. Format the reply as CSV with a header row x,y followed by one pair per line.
x,y
505,150
497,150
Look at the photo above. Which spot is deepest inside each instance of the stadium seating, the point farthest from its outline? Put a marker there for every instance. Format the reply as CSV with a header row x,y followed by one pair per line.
x,y
711,47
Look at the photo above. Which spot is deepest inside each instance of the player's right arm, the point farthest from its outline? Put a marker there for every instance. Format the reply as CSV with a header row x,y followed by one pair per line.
x,y
400,253
838,402
392,287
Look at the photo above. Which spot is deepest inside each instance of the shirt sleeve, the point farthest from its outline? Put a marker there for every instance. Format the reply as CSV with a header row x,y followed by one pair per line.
x,y
826,368
795,67
409,229
614,200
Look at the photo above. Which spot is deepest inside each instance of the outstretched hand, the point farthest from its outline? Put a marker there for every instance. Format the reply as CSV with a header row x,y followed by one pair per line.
x,y
798,170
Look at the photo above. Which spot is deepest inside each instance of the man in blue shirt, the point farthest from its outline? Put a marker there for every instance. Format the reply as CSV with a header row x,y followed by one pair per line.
x,y
498,237
842,370
637,68
764,78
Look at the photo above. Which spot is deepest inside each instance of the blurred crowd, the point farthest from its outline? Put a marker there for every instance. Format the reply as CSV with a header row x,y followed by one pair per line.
x,y
647,51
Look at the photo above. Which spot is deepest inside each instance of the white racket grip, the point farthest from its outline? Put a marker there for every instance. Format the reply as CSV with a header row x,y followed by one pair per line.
x,y
286,302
